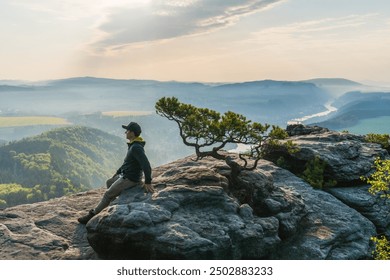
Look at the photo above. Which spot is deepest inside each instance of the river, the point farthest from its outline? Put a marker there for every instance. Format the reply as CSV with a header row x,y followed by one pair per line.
x,y
329,110
243,148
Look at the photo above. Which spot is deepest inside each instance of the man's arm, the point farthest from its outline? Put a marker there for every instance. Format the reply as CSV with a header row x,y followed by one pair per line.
x,y
139,154
119,171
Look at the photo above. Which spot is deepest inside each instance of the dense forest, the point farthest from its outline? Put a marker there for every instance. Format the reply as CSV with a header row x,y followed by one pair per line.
x,y
58,162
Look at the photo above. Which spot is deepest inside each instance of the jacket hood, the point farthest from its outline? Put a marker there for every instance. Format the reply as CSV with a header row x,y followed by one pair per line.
x,y
139,140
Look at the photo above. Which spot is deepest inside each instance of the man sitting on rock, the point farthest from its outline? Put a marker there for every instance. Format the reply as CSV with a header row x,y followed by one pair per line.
x,y
129,174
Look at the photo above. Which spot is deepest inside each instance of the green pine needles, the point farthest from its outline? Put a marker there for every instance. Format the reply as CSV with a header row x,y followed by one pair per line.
x,y
314,174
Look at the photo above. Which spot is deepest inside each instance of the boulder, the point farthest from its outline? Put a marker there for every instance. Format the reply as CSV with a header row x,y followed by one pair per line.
x,y
330,230
47,230
373,207
300,129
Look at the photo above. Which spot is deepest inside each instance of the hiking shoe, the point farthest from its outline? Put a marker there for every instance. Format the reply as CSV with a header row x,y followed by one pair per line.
x,y
84,219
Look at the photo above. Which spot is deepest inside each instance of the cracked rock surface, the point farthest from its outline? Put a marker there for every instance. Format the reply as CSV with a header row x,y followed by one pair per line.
x,y
47,230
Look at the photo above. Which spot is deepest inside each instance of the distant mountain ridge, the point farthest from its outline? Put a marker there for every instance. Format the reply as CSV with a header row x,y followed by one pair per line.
x,y
89,79
333,82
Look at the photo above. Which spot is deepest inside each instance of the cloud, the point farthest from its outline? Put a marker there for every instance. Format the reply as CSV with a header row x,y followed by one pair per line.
x,y
167,19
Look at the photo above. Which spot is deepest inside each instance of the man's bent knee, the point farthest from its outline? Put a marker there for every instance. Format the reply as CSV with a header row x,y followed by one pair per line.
x,y
111,181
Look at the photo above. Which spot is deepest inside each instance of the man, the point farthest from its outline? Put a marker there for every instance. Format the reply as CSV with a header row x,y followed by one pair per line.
x,y
129,174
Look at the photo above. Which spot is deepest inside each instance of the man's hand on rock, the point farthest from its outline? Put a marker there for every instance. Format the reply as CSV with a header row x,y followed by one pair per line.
x,y
149,188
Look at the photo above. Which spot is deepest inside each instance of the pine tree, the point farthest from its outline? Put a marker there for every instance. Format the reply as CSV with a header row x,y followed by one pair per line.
x,y
208,132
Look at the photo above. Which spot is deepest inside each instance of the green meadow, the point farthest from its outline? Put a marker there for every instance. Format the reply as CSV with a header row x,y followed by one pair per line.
x,y
31,120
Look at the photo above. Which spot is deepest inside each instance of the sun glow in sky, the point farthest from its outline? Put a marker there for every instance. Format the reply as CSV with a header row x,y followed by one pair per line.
x,y
195,40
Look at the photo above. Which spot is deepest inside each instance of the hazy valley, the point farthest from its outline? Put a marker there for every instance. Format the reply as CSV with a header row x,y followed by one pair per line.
x,y
277,102
28,108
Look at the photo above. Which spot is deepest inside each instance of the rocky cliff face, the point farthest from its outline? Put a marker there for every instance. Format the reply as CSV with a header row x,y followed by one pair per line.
x,y
196,214
47,230
347,156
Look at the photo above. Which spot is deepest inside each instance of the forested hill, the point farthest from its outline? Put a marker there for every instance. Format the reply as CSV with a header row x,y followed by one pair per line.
x,y
56,163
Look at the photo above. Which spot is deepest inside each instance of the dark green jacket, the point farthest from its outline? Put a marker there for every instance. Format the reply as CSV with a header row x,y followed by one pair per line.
x,y
135,162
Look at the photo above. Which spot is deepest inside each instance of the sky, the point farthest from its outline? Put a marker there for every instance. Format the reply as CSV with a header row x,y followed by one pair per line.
x,y
196,40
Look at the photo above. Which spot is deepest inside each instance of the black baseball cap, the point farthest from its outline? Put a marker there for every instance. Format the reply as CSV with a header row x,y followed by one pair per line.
x,y
134,127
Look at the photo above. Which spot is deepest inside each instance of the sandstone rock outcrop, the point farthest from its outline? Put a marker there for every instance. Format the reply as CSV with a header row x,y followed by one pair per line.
x,y
347,156
47,230
300,129
372,207
330,230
